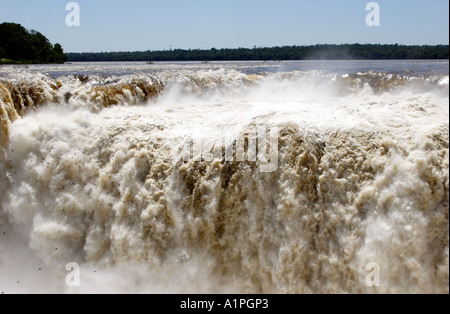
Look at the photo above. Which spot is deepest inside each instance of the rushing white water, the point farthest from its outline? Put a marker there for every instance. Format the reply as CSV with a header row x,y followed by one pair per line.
x,y
91,172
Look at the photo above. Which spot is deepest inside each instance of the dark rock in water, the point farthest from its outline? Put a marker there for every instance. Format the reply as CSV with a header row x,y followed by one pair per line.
x,y
82,78
67,97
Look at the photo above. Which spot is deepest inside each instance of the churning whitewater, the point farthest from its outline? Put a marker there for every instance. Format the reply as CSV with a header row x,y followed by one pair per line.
x,y
94,171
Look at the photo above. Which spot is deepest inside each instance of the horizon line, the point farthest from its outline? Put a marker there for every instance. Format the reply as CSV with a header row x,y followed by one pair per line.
x,y
261,47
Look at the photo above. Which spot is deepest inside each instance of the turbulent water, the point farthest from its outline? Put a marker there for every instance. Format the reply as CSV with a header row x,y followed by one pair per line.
x,y
145,176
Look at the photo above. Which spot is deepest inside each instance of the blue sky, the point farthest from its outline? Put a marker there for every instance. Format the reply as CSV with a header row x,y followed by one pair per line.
x,y
112,25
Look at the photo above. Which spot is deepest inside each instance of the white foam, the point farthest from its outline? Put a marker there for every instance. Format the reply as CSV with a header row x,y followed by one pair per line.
x,y
103,188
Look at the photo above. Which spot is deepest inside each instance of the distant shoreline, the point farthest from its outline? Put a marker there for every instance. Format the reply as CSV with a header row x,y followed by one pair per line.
x,y
287,53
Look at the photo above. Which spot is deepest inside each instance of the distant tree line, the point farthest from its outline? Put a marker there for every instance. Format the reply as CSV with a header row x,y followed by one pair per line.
x,y
317,52
19,45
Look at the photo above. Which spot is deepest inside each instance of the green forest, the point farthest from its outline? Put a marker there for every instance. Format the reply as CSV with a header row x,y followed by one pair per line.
x,y
317,52
18,45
